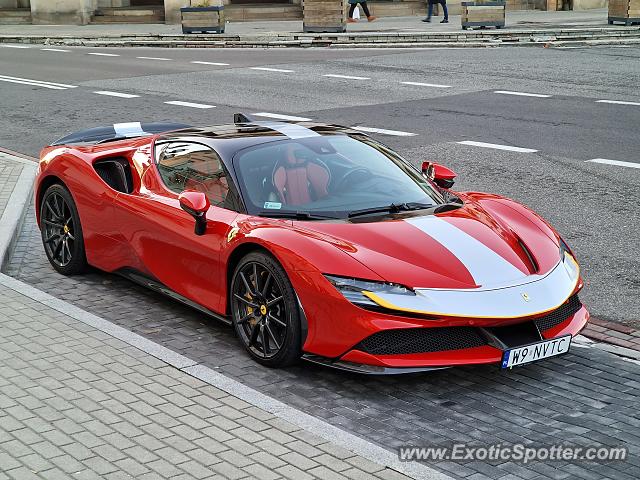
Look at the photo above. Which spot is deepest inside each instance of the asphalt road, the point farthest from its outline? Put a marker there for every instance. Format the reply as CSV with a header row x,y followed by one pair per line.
x,y
451,98
584,398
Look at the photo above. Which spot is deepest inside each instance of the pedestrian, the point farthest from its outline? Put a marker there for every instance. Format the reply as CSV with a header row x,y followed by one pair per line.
x,y
430,10
354,5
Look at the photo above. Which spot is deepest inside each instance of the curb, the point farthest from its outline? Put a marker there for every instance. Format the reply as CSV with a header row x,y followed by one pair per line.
x,y
386,458
552,36
12,218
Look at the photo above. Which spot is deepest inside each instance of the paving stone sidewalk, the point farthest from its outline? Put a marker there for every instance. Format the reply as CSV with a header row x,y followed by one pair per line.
x,y
78,403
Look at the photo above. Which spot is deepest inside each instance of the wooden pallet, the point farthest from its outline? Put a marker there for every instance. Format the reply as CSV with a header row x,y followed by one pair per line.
x,y
202,19
483,14
624,11
324,16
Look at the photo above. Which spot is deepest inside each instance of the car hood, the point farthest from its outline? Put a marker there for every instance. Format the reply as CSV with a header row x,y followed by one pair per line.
x,y
468,248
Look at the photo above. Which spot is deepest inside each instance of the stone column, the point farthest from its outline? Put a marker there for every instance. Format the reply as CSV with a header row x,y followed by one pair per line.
x,y
62,11
172,10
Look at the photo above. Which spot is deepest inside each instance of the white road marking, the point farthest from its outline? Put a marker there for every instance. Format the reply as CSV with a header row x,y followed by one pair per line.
x,y
220,64
421,84
97,54
383,131
269,69
522,94
618,102
278,116
348,77
37,83
154,58
617,163
55,50
15,46
116,94
189,104
498,147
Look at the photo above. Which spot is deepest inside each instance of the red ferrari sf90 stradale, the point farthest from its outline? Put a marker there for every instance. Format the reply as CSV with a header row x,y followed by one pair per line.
x,y
313,241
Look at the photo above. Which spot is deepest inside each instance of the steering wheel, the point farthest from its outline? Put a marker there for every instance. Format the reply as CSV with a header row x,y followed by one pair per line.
x,y
349,176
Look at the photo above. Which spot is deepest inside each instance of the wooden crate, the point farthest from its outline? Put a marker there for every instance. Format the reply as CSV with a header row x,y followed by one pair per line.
x,y
202,19
624,11
324,16
483,14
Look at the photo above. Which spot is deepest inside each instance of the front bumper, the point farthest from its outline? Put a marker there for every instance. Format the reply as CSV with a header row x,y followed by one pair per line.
x,y
366,362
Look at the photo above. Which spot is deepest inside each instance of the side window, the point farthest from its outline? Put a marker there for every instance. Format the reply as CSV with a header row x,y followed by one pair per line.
x,y
193,166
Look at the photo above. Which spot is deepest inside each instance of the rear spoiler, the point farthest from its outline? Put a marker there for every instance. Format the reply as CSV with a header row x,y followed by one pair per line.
x,y
118,131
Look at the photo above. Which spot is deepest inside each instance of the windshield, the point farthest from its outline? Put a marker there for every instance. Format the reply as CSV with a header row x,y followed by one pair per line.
x,y
328,176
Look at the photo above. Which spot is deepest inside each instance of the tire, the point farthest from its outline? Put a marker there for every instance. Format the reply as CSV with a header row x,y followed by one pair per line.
x,y
266,314
61,231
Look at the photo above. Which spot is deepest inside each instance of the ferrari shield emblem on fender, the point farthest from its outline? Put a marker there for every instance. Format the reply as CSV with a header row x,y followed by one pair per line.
x,y
525,296
232,233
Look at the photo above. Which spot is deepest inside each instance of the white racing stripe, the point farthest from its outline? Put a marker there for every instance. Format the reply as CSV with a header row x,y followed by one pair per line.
x,y
497,147
421,84
97,54
130,129
37,83
396,133
522,94
154,58
617,163
116,94
485,266
290,130
15,46
55,50
189,104
220,64
278,116
619,102
348,77
269,69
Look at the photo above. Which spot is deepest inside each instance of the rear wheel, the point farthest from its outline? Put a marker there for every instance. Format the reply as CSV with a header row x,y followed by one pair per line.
x,y
265,311
61,231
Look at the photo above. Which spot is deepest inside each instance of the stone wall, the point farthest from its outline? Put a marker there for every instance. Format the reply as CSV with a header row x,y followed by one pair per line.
x,y
62,11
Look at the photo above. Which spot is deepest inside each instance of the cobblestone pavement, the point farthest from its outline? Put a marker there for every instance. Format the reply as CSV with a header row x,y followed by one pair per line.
x,y
78,403
588,397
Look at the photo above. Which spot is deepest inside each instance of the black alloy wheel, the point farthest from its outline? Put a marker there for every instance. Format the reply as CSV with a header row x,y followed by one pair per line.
x,y
265,311
61,231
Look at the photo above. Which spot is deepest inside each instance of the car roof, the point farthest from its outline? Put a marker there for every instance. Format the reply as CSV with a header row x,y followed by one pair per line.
x,y
230,138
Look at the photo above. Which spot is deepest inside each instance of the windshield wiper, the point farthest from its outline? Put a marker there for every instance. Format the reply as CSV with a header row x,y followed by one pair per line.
x,y
445,207
299,215
393,208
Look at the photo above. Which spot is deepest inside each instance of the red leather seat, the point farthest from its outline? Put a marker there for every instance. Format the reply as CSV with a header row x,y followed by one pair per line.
x,y
299,181
215,189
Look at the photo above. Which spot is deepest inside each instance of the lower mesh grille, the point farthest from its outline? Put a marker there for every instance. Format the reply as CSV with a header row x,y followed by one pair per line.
x,y
420,340
559,315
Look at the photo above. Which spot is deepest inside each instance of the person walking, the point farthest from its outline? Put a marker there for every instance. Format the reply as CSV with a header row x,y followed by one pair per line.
x,y
430,10
354,5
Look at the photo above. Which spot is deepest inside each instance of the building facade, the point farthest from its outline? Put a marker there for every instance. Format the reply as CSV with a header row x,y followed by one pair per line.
x,y
82,12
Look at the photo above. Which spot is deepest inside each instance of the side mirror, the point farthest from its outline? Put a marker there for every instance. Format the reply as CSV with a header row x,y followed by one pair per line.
x,y
196,204
441,175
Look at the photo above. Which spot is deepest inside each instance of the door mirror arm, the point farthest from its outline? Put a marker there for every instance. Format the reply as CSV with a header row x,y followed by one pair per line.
x,y
196,204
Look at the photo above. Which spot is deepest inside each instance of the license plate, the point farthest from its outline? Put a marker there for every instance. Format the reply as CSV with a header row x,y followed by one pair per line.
x,y
536,351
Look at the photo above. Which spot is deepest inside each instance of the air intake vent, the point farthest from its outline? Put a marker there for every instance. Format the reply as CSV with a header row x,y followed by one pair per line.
x,y
420,340
559,315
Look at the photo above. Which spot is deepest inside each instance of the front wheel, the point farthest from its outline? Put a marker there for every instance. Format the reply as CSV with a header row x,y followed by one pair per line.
x,y
61,231
265,311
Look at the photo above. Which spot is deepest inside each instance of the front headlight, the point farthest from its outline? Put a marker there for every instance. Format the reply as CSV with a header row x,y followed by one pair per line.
x,y
353,289
570,263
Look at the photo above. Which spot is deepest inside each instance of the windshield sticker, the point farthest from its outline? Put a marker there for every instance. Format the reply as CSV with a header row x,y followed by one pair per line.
x,y
273,205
